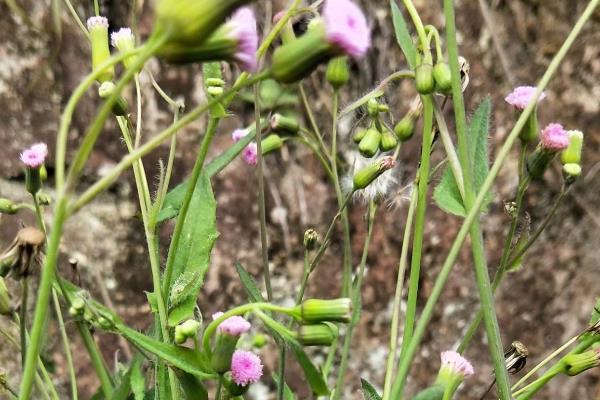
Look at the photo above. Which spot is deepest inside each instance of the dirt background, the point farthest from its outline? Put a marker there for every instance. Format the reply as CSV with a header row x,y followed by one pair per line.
x,y
42,59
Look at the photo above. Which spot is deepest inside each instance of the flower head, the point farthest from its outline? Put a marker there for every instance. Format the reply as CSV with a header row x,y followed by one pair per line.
x,y
520,96
246,367
243,30
554,138
122,37
97,21
238,134
250,154
346,27
233,326
379,188
458,364
35,156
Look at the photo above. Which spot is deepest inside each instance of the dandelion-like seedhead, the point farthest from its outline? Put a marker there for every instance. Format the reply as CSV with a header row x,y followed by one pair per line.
x,y
346,27
554,137
521,96
379,188
34,156
246,367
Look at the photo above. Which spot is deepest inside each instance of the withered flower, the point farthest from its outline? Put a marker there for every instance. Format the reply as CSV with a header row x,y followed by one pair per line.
x,y
24,254
516,357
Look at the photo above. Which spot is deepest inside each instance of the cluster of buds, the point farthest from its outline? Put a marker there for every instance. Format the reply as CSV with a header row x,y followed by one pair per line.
x,y
571,156
186,330
377,137
239,368
83,309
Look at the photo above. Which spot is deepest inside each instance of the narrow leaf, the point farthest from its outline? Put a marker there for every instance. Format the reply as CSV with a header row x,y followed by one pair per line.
x,y
138,381
403,35
249,284
287,392
369,392
192,387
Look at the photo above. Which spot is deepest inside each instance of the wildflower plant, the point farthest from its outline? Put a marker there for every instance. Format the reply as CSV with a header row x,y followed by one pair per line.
x,y
186,356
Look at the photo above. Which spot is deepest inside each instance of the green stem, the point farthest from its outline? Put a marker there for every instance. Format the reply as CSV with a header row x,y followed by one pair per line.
x,y
416,19
356,302
23,318
531,389
474,211
312,120
391,360
97,361
219,388
423,187
76,18
66,345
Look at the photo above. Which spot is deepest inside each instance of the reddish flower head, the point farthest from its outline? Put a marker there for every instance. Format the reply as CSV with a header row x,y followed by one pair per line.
x,y
243,30
554,138
520,96
346,27
233,326
246,368
35,156
238,134
250,154
456,363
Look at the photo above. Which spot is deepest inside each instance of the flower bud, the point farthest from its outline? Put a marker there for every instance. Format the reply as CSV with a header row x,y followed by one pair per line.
x,y
271,143
105,323
388,141
359,134
369,144
42,197
337,72
530,131
8,207
185,330
405,128
424,81
228,334
98,28
4,298
572,154
124,41
259,341
311,239
322,334
317,310
373,107
443,77
233,388
578,363
33,180
214,91
121,106
215,82
78,304
453,371
571,172
383,108
368,174
284,125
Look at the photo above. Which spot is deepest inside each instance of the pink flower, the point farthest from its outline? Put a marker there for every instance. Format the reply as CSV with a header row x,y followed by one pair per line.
x,y
94,22
250,154
346,27
457,363
520,96
233,326
246,368
35,156
554,138
243,30
238,134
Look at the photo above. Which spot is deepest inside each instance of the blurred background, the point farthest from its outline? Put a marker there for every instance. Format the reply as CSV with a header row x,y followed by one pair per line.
x,y
44,55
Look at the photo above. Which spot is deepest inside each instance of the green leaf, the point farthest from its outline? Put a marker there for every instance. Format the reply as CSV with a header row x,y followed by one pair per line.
x,y
192,387
185,359
249,284
369,392
403,35
174,199
287,392
446,194
192,256
435,392
138,381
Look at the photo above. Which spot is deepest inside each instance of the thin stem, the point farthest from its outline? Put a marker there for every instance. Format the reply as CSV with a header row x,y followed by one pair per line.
x,y
76,18
474,211
96,8
423,187
356,302
23,318
452,158
416,19
219,388
262,214
391,360
312,120
66,345
97,361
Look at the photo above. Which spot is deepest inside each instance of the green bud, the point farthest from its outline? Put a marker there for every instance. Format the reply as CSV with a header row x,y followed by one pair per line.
x,y
73,312
578,363
214,91
88,315
8,207
297,59
44,198
322,334
373,107
43,173
405,128
187,329
443,77
271,143
98,28
317,310
311,239
368,174
530,131
571,172
259,340
121,106
179,338
538,162
369,144
105,323
215,82
4,298
284,125
388,141
359,134
78,304
383,108
424,78
233,388
572,154
223,351
337,72
33,180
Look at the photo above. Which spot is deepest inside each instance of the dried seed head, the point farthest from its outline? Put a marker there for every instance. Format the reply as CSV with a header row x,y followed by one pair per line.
x,y
516,357
24,253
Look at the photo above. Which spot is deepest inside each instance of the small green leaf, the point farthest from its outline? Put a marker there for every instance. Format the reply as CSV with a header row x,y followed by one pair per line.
x,y
138,381
369,392
403,35
287,392
192,256
446,194
435,392
249,284
312,374
192,387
